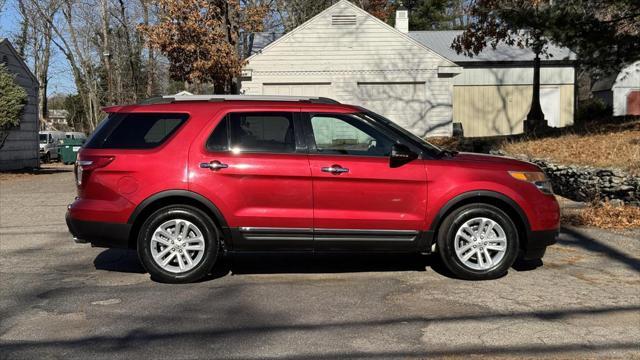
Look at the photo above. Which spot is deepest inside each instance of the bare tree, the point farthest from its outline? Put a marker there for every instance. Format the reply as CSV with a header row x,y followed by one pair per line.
x,y
151,57
34,44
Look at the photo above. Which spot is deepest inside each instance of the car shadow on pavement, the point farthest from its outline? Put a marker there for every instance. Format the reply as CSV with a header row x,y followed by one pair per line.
x,y
126,261
327,263
120,260
265,263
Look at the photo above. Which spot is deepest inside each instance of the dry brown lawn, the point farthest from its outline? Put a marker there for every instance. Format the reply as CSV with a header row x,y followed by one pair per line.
x,y
604,216
606,148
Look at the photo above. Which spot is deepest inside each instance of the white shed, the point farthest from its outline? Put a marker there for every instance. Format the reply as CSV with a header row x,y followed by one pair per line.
x,y
19,146
347,54
622,91
626,91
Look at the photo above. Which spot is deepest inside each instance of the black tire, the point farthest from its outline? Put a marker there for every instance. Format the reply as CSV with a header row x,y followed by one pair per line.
x,y
210,233
447,234
46,158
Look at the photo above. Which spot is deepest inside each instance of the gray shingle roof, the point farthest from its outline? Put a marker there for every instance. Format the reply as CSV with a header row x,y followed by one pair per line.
x,y
440,42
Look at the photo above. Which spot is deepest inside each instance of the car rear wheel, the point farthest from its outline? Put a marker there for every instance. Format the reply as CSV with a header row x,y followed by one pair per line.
x,y
178,244
478,242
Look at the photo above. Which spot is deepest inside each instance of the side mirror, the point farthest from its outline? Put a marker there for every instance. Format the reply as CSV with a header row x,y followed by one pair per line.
x,y
400,155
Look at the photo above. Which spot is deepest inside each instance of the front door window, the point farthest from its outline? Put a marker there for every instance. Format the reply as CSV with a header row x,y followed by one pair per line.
x,y
347,135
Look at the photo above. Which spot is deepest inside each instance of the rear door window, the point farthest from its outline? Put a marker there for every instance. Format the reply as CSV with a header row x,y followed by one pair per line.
x,y
135,130
255,132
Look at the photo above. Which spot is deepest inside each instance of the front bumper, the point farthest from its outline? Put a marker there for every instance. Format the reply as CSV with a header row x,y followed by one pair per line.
x,y
537,242
99,234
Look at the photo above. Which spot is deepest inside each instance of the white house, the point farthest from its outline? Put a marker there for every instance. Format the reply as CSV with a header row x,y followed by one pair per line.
x,y
412,78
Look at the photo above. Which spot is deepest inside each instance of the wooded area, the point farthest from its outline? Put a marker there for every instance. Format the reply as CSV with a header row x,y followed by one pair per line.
x,y
123,51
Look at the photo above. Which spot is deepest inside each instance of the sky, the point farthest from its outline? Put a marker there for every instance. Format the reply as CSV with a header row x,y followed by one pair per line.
x,y
60,76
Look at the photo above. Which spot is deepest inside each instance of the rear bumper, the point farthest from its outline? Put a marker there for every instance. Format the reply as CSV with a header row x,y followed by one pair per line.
x,y
99,234
537,243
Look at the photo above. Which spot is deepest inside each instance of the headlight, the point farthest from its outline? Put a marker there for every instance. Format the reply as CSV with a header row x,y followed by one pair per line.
x,y
539,179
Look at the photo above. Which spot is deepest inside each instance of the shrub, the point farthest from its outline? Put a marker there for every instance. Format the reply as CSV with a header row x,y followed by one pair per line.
x,y
12,100
592,109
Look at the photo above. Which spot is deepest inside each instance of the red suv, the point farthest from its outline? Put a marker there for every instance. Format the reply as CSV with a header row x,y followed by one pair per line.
x,y
184,179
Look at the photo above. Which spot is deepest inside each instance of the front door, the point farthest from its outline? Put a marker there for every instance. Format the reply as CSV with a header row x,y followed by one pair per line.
x,y
359,201
256,172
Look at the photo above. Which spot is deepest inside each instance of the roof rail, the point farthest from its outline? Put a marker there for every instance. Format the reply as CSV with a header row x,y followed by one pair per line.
x,y
213,98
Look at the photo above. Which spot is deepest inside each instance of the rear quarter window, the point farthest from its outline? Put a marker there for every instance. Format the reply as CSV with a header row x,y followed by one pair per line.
x,y
135,130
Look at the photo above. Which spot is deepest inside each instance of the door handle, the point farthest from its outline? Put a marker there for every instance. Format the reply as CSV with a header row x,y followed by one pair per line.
x,y
214,165
335,169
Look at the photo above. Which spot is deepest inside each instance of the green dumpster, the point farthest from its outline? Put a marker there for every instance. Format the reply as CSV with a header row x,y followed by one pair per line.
x,y
69,150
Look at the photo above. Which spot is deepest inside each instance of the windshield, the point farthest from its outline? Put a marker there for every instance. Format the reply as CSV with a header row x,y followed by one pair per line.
x,y
43,138
403,131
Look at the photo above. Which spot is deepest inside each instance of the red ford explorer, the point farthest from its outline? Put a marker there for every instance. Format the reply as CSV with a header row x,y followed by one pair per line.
x,y
184,179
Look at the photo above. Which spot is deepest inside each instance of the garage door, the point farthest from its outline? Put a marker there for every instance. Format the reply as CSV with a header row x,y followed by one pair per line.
x,y
298,89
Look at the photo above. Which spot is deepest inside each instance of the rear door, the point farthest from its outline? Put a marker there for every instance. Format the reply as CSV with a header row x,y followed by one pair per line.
x,y
360,202
256,171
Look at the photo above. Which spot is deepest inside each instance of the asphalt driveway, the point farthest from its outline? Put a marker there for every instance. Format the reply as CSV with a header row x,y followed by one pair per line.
x,y
63,300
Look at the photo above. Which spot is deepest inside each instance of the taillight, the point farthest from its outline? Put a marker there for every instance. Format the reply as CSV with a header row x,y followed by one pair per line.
x,y
89,163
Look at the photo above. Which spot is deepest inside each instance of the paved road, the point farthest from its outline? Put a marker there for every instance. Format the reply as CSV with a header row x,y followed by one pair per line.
x,y
62,300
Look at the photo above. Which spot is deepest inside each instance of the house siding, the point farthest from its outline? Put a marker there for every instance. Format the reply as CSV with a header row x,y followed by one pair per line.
x,y
20,147
346,57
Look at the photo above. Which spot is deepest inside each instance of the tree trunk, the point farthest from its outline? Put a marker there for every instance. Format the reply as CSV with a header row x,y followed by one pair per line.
x,y
151,62
133,69
106,53
21,41
42,73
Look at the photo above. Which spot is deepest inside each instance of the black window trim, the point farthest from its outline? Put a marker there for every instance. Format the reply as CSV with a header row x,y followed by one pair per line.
x,y
311,141
300,144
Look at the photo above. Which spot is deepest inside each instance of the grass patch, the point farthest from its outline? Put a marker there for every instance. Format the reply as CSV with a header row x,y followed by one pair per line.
x,y
604,216
608,146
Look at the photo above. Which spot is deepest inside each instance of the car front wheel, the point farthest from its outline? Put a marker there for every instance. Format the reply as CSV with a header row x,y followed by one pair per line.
x,y
478,242
178,244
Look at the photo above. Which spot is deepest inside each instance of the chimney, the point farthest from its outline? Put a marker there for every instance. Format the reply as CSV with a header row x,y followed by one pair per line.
x,y
402,19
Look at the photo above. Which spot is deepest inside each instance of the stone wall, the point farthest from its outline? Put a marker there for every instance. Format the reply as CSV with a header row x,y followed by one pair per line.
x,y
583,183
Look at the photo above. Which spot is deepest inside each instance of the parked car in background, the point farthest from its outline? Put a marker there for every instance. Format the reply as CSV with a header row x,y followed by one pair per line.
x,y
49,145
183,179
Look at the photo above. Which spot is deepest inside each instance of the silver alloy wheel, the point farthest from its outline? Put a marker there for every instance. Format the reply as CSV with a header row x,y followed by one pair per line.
x,y
177,246
480,243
